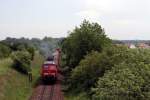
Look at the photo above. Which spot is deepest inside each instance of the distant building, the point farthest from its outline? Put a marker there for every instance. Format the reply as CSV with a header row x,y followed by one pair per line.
x,y
143,45
131,46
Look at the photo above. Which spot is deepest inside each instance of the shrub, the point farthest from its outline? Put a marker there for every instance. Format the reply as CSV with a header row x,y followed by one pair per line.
x,y
22,60
84,76
4,51
31,50
96,64
128,80
124,82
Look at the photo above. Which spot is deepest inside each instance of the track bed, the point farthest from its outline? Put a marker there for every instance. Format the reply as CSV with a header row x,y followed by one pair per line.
x,y
47,92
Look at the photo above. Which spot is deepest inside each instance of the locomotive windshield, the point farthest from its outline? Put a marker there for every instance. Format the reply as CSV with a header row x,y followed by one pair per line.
x,y
49,62
50,58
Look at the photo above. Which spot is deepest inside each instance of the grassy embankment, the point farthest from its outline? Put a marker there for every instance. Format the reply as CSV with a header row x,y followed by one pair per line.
x,y
14,85
73,96
36,66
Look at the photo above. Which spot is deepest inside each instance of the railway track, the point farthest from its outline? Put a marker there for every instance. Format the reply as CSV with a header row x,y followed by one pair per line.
x,y
50,92
47,92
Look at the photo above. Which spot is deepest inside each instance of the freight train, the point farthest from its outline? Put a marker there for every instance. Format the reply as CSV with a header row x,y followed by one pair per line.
x,y
50,68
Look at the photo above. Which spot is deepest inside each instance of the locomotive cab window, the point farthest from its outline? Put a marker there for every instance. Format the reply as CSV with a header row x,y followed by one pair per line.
x,y
49,62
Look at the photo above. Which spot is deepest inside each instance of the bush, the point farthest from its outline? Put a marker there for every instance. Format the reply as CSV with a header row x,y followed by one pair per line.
x,y
4,51
124,82
84,76
31,50
96,65
22,60
128,80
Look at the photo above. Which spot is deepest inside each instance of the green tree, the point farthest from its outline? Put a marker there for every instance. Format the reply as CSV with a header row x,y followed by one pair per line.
x,y
22,60
84,75
82,40
124,82
128,80
4,51
31,50
94,65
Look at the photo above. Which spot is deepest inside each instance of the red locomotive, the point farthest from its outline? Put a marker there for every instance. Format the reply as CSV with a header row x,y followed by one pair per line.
x,y
50,68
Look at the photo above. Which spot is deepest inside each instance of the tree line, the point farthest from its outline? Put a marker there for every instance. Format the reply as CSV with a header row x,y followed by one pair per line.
x,y
22,50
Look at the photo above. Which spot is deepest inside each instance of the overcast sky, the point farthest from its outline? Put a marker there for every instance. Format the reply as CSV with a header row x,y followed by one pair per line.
x,y
121,19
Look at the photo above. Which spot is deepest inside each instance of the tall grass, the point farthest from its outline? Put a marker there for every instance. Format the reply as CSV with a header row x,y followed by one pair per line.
x,y
13,84
72,96
36,67
16,86
5,65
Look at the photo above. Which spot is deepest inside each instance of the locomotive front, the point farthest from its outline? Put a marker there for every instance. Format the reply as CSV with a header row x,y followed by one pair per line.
x,y
49,70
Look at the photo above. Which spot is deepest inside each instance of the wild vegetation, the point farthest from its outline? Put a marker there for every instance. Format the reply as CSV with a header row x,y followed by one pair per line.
x,y
46,45
4,51
17,58
14,84
82,40
22,61
94,67
104,72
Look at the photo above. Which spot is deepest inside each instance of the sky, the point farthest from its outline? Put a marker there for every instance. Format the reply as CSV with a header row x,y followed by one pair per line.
x,y
121,19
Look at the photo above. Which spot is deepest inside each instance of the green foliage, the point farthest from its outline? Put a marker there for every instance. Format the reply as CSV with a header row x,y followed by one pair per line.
x,y
14,85
81,96
4,51
31,50
128,80
84,76
124,82
24,46
82,40
36,67
22,60
120,73
45,46
5,65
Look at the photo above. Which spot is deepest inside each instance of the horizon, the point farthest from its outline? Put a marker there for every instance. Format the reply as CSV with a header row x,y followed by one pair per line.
x,y
122,20
30,38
